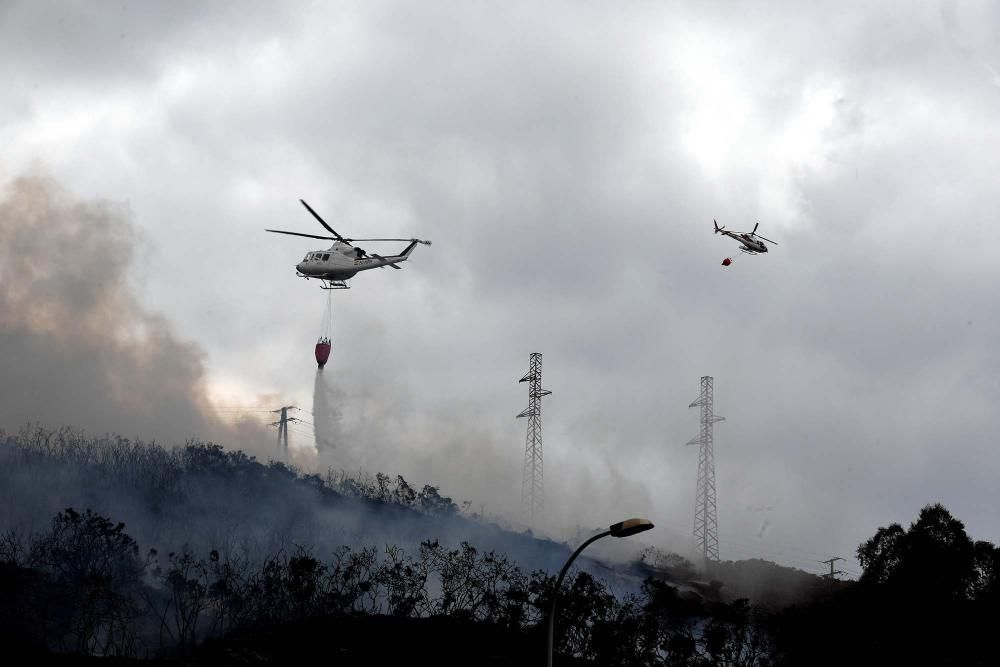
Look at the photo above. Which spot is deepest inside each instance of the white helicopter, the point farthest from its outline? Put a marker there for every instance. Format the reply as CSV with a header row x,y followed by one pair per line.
x,y
750,244
342,261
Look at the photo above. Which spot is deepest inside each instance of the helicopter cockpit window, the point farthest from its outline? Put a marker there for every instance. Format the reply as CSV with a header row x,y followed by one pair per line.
x,y
326,256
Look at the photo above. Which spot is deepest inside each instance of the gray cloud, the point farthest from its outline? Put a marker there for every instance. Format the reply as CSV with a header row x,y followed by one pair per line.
x,y
567,162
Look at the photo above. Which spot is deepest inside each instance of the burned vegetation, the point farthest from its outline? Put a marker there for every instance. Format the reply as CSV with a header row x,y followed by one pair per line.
x,y
199,555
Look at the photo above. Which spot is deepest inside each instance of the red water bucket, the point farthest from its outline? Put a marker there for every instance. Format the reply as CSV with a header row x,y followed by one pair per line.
x,y
322,352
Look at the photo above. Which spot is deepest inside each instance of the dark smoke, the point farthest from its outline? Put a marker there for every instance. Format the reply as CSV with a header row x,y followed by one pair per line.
x,y
76,345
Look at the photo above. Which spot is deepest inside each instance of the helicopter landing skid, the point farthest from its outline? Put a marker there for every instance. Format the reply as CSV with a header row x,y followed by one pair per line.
x,y
325,283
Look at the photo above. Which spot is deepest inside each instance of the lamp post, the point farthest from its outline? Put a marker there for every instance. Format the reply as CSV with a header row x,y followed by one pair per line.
x,y
620,529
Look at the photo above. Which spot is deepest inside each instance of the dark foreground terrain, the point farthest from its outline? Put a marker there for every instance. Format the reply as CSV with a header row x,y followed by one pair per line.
x,y
130,553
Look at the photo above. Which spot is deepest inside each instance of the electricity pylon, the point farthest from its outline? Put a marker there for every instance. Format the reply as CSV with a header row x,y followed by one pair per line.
x,y
706,522
532,484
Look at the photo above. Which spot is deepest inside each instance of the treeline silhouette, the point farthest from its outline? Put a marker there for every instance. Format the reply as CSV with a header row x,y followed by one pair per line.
x,y
928,594
85,587
83,584
163,473
200,497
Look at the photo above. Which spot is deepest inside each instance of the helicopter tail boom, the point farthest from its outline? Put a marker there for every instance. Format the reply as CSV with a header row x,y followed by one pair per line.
x,y
391,260
408,249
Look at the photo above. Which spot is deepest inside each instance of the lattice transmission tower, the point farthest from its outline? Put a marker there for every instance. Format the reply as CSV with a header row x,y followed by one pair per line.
x,y
706,522
532,484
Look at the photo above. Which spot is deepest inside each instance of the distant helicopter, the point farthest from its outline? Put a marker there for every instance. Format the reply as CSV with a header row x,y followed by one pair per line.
x,y
749,243
342,261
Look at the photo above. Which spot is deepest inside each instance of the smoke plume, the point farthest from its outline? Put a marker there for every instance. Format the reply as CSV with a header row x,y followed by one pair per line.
x,y
76,345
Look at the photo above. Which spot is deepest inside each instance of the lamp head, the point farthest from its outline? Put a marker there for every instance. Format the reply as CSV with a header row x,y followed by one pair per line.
x,y
630,527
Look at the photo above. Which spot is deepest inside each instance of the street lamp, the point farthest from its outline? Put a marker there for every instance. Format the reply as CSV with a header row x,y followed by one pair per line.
x,y
620,529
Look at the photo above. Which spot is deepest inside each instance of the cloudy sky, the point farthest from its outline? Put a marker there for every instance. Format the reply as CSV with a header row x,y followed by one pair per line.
x,y
567,160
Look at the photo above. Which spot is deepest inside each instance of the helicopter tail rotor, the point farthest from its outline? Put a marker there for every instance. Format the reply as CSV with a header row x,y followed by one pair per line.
x,y
717,228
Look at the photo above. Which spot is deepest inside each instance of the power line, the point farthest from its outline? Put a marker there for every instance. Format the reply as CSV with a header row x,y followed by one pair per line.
x,y
778,546
777,554
768,549
747,552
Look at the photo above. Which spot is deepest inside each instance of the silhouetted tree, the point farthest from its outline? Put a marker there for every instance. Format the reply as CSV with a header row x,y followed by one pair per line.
x,y
98,569
228,591
733,637
353,581
405,583
432,502
934,557
186,583
986,573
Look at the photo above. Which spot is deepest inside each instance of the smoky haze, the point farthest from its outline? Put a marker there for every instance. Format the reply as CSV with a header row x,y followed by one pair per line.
x,y
361,427
77,347
567,160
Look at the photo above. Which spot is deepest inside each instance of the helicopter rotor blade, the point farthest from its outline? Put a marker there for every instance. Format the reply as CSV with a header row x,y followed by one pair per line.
x,y
764,239
404,240
323,222
755,228
310,236
379,239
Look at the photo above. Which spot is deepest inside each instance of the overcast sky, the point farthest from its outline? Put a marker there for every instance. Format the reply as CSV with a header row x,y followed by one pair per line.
x,y
567,160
